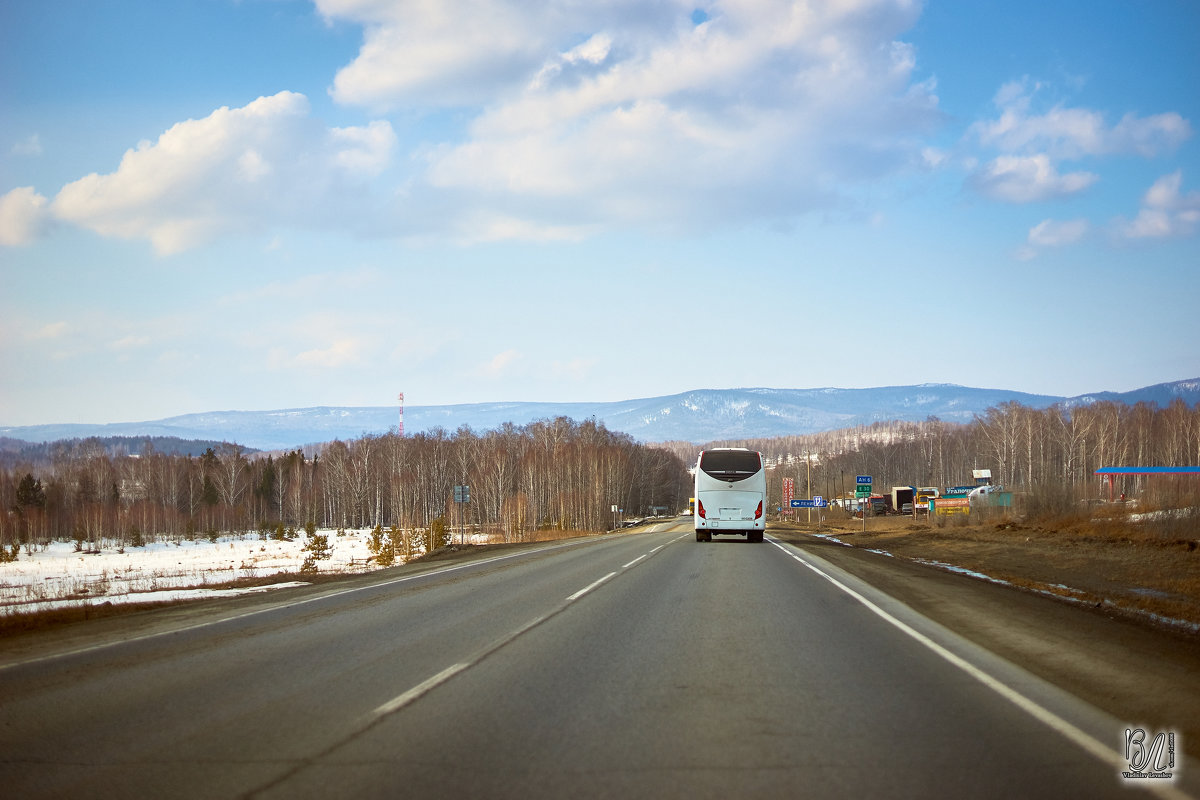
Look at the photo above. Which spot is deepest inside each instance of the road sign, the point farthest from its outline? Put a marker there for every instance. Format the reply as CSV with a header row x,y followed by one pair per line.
x,y
863,479
462,494
863,492
816,502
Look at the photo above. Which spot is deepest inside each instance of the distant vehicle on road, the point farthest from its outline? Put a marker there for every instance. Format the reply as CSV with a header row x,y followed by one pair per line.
x,y
731,494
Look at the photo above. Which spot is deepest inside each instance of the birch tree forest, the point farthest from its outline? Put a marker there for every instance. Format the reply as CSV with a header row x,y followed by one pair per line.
x,y
1048,455
553,474
566,475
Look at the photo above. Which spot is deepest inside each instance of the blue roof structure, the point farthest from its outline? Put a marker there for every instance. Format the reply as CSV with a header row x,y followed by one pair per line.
x,y
1148,471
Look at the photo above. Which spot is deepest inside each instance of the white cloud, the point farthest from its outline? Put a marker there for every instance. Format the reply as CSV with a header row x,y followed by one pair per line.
x,y
364,150
341,353
129,342
252,166
29,146
500,364
576,369
1053,233
1027,179
440,53
53,330
308,290
1072,133
627,112
593,51
574,118
1165,211
1033,143
498,227
24,216
243,169
933,157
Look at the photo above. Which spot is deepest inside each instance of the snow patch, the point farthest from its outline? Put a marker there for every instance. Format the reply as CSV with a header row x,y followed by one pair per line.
x,y
61,575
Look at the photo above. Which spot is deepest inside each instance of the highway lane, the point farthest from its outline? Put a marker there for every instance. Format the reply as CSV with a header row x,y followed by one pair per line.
x,y
222,708
646,665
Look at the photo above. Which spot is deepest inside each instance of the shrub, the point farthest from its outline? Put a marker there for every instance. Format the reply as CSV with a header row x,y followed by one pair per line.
x,y
318,546
1046,501
436,535
375,543
385,557
398,542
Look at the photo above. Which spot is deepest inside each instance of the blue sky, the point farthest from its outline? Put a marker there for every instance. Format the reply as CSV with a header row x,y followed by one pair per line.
x,y
210,205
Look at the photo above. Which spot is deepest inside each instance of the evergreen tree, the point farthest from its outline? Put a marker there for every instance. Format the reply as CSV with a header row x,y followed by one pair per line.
x,y
30,492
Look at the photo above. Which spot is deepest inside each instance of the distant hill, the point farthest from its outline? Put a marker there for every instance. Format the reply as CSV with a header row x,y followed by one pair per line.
x,y
18,451
703,415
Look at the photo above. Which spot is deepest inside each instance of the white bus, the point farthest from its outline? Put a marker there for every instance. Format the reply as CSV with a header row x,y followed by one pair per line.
x,y
731,494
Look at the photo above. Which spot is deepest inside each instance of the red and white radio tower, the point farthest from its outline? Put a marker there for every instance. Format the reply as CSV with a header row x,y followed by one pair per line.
x,y
400,429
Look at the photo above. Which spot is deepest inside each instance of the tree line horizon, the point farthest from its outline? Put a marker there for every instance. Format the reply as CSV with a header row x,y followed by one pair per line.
x,y
562,474
550,474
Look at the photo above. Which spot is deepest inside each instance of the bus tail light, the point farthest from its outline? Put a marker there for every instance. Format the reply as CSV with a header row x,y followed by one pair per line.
x,y
758,511
700,509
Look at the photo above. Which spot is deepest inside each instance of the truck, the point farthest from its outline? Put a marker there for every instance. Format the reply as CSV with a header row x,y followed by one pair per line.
x,y
903,496
921,500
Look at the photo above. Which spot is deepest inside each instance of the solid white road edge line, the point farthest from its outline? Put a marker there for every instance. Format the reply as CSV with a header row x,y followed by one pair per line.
x,y
1044,715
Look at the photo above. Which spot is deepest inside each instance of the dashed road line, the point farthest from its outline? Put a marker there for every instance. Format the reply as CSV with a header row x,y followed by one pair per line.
x,y
405,698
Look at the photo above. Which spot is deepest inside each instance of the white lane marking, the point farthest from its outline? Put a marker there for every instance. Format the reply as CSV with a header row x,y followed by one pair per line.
x,y
282,604
587,589
1045,715
400,701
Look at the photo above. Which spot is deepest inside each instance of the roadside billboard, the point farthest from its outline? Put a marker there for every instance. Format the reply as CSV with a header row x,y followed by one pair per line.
x,y
950,505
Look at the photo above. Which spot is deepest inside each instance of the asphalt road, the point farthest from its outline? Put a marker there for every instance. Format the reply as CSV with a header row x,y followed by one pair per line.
x,y
630,666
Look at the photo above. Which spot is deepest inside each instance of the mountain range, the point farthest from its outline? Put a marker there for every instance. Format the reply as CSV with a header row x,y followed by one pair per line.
x,y
699,416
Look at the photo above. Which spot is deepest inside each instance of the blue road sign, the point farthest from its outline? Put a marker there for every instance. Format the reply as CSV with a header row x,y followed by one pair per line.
x,y
863,479
816,502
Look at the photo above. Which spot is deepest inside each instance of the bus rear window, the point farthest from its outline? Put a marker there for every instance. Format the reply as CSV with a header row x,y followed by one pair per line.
x,y
730,465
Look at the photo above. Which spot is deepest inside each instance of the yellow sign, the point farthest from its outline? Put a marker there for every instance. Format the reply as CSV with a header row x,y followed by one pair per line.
x,y
951,505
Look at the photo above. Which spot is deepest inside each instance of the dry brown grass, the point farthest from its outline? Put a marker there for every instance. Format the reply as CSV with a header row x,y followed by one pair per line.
x,y
1141,567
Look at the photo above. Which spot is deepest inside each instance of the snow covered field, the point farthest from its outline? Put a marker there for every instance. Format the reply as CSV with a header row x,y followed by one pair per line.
x,y
61,576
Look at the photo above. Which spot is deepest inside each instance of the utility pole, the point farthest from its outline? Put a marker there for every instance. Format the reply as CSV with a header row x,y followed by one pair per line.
x,y
808,482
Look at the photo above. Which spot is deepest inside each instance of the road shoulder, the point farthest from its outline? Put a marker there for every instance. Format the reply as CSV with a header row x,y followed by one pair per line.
x,y
1136,672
